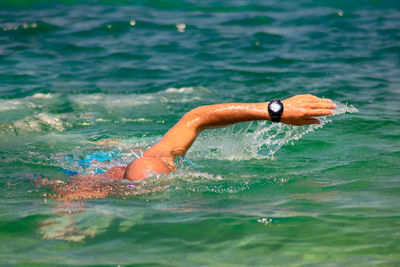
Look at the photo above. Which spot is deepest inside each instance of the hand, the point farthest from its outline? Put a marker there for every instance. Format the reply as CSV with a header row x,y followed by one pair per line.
x,y
299,109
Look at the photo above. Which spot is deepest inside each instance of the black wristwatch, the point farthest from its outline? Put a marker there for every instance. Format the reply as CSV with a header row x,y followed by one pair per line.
x,y
275,110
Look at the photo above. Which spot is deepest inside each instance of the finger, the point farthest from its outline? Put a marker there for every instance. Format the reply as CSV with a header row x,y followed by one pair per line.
x,y
319,112
309,97
323,105
309,121
319,100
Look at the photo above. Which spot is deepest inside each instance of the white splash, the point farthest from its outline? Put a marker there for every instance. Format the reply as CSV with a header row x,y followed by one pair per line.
x,y
26,103
41,122
186,90
6,105
255,140
43,96
119,101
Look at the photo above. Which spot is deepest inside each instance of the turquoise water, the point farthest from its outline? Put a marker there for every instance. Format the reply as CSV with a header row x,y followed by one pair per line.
x,y
83,78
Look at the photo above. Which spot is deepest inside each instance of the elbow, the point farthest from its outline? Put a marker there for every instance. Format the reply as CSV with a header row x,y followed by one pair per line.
x,y
194,119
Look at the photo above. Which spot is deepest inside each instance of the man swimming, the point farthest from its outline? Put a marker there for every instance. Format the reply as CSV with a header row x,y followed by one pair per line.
x,y
297,110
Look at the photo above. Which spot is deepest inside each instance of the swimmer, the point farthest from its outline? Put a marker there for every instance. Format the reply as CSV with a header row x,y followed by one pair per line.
x,y
158,159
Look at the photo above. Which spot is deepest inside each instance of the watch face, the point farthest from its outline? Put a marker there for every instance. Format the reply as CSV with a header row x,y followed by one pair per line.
x,y
275,107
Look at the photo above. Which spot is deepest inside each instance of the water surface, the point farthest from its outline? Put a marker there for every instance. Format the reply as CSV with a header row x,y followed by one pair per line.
x,y
83,78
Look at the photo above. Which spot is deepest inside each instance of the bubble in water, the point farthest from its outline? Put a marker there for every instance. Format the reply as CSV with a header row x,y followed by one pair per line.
x,y
265,220
181,27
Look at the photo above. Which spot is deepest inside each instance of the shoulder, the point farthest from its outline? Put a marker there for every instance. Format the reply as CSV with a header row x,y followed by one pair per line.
x,y
145,167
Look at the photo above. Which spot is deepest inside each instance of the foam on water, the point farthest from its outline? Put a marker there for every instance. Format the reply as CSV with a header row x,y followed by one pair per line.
x,y
6,105
170,95
40,112
42,122
44,96
36,100
123,100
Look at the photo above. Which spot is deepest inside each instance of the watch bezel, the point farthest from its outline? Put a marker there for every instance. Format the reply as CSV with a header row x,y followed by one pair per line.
x,y
275,115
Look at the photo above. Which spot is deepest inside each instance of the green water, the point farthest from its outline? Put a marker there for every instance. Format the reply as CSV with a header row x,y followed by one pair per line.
x,y
84,77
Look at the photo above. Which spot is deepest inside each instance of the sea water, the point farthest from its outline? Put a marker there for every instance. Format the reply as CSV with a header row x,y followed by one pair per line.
x,y
89,85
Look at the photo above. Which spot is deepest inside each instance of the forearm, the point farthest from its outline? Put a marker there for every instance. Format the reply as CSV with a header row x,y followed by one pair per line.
x,y
221,115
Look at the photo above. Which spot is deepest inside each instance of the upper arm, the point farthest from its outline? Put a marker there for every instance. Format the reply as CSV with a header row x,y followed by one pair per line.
x,y
160,157
178,139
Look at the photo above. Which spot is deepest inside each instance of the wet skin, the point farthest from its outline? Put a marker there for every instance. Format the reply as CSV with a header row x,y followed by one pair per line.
x,y
298,110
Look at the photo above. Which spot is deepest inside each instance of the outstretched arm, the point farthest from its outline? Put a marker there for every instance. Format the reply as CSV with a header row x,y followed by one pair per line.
x,y
298,110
